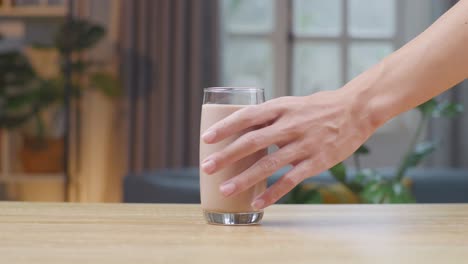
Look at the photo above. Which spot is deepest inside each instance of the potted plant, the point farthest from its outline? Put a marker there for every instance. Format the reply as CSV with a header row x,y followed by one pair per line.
x,y
34,97
369,186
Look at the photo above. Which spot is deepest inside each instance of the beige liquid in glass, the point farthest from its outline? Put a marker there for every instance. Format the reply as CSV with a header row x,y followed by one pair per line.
x,y
211,198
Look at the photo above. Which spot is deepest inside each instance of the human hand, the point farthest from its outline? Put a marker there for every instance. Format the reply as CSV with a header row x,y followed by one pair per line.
x,y
313,133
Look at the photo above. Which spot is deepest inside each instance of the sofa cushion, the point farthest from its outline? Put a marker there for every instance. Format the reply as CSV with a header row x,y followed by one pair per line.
x,y
182,185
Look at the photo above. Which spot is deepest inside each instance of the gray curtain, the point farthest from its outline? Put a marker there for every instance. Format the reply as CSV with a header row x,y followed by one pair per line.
x,y
450,133
169,54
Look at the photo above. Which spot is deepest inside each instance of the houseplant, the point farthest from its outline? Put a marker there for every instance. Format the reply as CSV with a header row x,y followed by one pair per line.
x,y
34,95
369,186
22,95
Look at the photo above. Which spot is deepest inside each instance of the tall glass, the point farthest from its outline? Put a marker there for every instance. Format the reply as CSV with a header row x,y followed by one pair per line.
x,y
218,103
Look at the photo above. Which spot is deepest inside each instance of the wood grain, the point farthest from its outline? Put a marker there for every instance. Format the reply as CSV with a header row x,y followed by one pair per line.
x,y
132,233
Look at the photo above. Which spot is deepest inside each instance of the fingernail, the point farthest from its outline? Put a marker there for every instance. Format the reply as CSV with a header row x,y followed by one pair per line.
x,y
209,136
208,166
227,188
258,204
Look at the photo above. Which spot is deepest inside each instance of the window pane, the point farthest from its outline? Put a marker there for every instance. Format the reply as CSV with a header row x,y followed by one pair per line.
x,y
364,55
248,15
248,62
371,18
316,67
317,17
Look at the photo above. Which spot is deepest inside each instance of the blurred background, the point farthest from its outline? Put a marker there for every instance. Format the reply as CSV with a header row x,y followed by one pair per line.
x,y
100,100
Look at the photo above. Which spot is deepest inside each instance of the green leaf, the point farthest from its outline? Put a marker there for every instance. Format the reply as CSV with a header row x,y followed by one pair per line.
x,y
291,197
339,172
312,196
78,35
447,109
400,194
18,101
42,46
301,195
80,66
386,192
15,70
362,150
373,192
49,91
428,107
106,83
355,187
18,87
422,151
362,178
365,176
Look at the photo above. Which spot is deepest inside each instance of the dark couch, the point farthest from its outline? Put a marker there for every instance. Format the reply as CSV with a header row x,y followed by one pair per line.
x,y
182,186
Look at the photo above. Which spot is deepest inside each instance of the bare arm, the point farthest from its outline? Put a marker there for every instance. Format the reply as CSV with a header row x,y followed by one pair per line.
x,y
317,131
431,63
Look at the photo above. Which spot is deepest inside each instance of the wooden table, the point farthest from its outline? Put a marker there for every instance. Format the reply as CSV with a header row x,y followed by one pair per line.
x,y
130,233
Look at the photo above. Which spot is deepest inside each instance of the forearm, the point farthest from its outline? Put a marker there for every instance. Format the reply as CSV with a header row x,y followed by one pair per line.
x,y
425,67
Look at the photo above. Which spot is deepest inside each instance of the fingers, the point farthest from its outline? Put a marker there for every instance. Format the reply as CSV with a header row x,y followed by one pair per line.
x,y
288,181
245,145
261,170
238,121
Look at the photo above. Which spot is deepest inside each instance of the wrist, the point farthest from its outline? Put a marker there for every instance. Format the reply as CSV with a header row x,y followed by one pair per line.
x,y
366,101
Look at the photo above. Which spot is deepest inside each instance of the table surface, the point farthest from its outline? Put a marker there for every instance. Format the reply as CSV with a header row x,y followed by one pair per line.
x,y
151,233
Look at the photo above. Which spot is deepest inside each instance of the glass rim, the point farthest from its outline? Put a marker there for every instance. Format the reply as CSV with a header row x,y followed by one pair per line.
x,y
233,89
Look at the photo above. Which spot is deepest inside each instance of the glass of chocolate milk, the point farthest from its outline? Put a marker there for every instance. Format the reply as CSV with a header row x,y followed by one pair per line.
x,y
218,103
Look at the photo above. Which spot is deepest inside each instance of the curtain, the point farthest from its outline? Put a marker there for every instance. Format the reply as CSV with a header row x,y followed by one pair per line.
x,y
452,150
169,51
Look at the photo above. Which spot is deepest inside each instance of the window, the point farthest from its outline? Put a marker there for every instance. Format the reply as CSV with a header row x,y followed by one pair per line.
x,y
297,47
248,43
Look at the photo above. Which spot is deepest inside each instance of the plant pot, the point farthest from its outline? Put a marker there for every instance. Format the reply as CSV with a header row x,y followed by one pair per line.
x,y
42,156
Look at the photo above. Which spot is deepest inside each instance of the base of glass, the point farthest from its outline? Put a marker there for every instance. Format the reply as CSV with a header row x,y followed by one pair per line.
x,y
216,218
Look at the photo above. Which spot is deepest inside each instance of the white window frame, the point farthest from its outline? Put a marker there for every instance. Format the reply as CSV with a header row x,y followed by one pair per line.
x,y
412,16
282,38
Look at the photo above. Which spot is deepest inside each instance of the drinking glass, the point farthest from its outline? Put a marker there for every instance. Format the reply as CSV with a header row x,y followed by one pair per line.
x,y
218,103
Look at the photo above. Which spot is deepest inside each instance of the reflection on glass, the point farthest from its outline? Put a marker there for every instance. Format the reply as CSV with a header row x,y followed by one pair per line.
x,y
248,63
317,17
371,18
364,55
316,67
248,15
